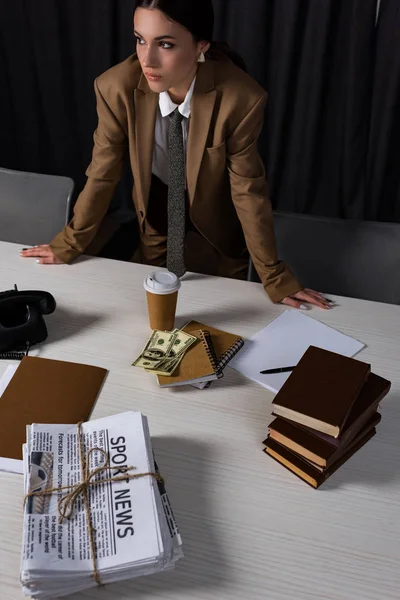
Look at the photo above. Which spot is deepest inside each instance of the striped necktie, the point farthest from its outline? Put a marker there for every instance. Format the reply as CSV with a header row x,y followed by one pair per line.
x,y
176,196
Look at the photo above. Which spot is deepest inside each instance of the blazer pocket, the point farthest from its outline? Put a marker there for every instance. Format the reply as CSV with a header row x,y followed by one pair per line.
x,y
213,167
219,148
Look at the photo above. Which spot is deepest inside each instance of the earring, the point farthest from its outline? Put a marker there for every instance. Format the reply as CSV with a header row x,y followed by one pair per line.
x,y
201,58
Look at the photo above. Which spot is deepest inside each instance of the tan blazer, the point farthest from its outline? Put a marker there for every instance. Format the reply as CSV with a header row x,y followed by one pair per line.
x,y
227,189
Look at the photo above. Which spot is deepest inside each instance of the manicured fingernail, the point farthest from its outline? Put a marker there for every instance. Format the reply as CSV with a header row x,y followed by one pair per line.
x,y
303,307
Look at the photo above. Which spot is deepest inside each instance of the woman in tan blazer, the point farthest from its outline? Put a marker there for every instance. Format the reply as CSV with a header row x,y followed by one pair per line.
x,y
226,211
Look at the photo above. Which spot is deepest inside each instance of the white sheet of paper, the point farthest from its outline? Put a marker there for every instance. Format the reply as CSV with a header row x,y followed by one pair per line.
x,y
11,465
283,342
7,376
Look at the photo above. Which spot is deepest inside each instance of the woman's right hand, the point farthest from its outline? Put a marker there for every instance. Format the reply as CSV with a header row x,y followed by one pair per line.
x,y
43,253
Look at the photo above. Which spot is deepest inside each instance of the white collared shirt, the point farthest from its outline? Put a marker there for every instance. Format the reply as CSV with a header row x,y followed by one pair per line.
x,y
160,151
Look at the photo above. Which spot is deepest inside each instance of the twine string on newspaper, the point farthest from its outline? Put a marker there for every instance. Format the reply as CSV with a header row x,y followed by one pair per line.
x,y
66,504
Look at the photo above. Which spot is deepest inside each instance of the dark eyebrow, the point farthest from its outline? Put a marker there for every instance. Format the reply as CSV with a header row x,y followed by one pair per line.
x,y
160,37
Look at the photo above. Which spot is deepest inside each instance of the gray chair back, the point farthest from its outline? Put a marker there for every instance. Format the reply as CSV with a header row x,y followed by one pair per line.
x,y
360,259
33,207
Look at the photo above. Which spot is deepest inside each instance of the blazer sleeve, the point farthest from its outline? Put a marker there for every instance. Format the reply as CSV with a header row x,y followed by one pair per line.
x,y
104,172
249,191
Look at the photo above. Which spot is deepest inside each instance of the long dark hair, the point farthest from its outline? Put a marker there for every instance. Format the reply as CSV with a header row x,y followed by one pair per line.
x,y
197,16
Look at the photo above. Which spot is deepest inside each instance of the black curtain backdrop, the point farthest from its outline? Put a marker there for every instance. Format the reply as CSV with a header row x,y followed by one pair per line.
x,y
50,53
382,200
331,139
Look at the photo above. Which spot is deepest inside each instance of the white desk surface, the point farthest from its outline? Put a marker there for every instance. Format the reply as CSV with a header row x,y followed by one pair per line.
x,y
251,529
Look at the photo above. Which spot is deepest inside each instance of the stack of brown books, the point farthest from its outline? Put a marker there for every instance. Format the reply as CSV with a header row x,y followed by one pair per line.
x,y
325,412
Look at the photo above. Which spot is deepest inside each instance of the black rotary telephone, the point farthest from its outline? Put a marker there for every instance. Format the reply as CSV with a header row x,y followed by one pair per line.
x,y
21,320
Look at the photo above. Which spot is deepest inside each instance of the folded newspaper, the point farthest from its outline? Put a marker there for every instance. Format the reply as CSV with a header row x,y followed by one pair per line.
x,y
130,524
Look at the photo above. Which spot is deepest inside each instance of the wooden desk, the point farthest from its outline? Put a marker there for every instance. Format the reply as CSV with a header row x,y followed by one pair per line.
x,y
251,530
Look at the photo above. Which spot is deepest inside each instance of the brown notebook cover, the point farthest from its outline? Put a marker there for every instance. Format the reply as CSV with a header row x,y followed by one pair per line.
x,y
45,391
310,447
303,469
321,390
366,405
225,344
198,364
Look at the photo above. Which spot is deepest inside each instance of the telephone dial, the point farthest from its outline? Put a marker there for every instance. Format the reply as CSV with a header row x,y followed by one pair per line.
x,y
21,320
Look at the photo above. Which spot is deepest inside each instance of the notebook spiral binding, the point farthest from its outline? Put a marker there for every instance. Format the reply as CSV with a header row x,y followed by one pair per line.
x,y
229,354
208,345
12,355
15,355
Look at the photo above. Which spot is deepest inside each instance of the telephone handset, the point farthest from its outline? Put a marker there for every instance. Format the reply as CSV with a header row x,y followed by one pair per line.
x,y
21,320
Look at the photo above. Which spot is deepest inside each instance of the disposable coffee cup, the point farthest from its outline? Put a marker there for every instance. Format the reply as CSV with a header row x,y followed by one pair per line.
x,y
162,295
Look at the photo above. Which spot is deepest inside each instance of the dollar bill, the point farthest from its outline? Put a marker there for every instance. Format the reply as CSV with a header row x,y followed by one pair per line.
x,y
167,367
147,364
181,344
156,350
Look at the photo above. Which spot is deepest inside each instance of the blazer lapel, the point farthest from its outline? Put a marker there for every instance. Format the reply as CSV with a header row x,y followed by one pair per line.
x,y
202,106
146,103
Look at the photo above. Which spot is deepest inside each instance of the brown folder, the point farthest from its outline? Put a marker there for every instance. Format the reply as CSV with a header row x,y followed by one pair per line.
x,y
322,390
45,391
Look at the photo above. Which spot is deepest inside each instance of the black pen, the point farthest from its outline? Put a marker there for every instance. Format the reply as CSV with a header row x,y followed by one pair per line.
x,y
279,370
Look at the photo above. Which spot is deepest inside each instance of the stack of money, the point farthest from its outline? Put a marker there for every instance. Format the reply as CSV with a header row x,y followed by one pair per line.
x,y
128,522
164,351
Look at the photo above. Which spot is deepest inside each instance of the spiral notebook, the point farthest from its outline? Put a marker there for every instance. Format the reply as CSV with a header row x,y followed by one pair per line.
x,y
226,346
199,363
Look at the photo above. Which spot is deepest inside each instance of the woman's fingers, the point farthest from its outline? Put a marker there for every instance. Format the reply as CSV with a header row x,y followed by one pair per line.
x,y
35,250
290,301
312,299
49,260
43,254
299,299
318,295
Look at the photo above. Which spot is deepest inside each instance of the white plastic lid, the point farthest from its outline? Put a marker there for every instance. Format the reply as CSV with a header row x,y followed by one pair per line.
x,y
162,282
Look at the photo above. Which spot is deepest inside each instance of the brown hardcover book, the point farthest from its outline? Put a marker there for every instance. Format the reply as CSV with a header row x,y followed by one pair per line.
x,y
311,448
45,391
366,405
303,469
321,390
198,364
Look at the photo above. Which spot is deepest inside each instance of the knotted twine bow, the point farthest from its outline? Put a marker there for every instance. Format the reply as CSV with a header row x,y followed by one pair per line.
x,y
66,504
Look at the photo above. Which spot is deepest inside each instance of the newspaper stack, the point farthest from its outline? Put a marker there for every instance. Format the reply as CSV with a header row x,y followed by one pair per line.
x,y
134,531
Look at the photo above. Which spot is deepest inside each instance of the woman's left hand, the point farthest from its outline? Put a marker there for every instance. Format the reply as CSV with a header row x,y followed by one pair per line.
x,y
298,299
